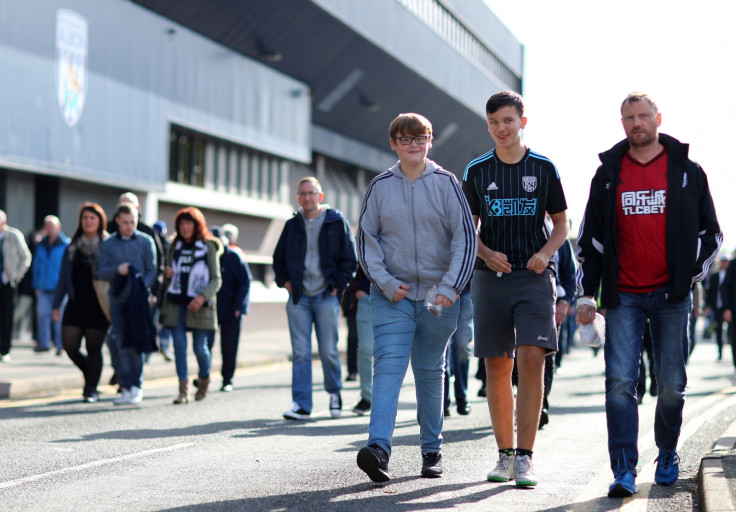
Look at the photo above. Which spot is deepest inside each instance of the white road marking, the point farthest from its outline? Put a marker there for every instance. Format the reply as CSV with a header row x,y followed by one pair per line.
x,y
93,464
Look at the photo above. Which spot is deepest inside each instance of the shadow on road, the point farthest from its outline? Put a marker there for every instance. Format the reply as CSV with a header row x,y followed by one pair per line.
x,y
367,496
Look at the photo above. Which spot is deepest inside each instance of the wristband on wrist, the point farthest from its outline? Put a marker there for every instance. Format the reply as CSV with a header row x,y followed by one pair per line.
x,y
585,301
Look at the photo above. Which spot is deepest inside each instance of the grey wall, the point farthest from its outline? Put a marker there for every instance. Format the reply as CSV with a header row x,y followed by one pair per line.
x,y
143,73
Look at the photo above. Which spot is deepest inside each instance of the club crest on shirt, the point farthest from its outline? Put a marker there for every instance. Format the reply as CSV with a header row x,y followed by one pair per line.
x,y
529,183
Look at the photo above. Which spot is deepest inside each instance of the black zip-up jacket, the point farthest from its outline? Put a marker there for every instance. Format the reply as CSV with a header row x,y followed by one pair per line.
x,y
337,257
692,231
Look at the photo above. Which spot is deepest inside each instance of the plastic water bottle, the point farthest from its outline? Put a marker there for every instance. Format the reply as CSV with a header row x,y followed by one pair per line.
x,y
594,334
434,309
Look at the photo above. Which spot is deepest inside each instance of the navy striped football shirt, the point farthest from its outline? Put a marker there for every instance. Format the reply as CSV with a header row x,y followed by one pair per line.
x,y
511,201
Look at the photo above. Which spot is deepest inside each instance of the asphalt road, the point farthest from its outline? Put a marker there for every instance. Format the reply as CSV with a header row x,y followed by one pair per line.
x,y
233,451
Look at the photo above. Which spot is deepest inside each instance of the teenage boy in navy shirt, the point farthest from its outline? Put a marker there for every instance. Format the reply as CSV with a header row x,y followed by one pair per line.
x,y
509,190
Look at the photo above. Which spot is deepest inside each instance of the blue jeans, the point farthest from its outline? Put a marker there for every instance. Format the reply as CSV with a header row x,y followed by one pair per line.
x,y
365,347
458,351
199,343
320,310
402,331
129,363
625,326
46,328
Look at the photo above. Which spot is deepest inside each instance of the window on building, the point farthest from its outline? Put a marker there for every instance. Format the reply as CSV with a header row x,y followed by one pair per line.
x,y
438,18
200,160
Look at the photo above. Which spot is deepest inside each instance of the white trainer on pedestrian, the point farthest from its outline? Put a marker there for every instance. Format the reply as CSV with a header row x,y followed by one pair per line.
x,y
335,405
525,476
136,395
124,398
504,470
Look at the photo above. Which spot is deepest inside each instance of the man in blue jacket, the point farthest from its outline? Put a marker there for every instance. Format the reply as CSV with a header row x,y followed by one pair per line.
x,y
314,260
46,268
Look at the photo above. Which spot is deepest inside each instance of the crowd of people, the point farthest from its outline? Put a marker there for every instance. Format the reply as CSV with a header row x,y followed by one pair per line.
x,y
437,263
123,282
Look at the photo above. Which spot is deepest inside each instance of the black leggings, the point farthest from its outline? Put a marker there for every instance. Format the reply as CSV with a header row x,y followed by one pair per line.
x,y
90,363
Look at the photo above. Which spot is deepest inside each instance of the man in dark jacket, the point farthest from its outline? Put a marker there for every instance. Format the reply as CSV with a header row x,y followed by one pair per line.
x,y
314,260
233,301
728,296
714,301
649,232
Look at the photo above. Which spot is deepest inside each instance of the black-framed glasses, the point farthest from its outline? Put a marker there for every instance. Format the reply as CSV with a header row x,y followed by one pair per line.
x,y
420,139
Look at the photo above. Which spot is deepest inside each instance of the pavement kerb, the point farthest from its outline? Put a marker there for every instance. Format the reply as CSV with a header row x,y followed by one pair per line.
x,y
49,385
714,488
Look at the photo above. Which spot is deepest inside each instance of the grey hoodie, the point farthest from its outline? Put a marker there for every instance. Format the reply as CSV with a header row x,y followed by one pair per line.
x,y
417,233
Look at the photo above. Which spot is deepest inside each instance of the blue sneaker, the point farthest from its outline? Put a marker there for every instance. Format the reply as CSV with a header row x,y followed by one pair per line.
x,y
623,486
668,467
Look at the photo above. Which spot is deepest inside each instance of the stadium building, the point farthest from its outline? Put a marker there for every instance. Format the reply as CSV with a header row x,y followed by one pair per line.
x,y
226,104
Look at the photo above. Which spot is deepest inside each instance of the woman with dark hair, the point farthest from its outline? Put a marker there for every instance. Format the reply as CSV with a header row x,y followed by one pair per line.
x,y
83,316
192,280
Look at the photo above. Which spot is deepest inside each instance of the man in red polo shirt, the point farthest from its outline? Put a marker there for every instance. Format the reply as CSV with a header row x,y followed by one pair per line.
x,y
649,233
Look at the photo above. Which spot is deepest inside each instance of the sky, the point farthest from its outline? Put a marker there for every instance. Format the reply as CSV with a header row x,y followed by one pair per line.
x,y
581,60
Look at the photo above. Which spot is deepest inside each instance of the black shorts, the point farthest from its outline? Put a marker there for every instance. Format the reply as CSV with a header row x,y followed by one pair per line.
x,y
512,310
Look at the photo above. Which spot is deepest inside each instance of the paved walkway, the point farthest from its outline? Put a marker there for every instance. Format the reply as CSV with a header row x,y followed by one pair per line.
x,y
30,374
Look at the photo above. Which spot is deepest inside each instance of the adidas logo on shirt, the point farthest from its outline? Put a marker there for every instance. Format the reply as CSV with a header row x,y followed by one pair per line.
x,y
492,186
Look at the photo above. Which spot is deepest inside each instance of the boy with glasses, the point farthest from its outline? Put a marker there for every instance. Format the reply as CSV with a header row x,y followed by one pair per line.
x,y
415,233
509,190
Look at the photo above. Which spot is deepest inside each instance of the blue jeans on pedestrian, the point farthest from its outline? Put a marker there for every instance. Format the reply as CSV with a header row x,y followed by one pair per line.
x,y
129,362
365,347
46,328
458,352
199,344
320,310
625,326
404,331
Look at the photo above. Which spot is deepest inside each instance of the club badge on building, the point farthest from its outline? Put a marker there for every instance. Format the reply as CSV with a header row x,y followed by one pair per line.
x,y
71,64
529,183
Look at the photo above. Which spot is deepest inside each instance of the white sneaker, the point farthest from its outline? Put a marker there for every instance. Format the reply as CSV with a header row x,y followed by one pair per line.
x,y
123,399
525,476
504,470
335,405
5,358
136,395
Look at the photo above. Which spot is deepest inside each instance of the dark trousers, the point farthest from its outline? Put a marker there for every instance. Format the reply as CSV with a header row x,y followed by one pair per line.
x,y
7,308
718,329
229,339
352,342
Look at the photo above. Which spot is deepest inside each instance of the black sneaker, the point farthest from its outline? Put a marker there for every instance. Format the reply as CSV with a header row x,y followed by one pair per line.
x,y
463,408
543,418
296,413
373,460
431,465
363,407
483,392
335,405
